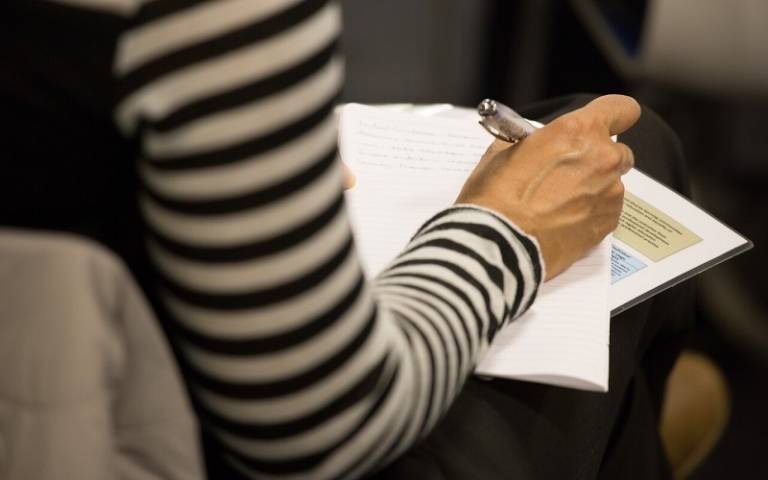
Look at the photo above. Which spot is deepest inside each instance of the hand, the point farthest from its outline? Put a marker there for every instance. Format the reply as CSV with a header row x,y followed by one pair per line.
x,y
349,177
562,184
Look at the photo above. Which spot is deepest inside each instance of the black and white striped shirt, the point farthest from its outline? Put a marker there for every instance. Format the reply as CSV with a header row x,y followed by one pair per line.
x,y
299,366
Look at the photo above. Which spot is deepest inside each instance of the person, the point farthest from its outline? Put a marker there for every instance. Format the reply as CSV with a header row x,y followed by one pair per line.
x,y
296,364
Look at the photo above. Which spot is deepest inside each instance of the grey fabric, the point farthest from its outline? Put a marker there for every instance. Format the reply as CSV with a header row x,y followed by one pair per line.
x,y
88,386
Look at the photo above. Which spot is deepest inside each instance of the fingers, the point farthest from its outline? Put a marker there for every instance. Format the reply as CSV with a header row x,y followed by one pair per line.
x,y
627,161
349,177
611,198
607,217
497,146
616,113
611,160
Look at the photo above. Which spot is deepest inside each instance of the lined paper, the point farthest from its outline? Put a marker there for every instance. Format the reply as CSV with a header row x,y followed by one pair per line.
x,y
563,339
408,168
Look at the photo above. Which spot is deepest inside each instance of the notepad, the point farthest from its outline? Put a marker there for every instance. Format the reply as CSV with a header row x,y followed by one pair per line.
x,y
408,168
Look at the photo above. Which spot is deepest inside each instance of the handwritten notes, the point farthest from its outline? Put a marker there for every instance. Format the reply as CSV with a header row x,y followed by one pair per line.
x,y
408,168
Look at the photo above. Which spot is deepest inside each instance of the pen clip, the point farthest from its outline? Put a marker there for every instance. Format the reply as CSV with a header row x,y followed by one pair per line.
x,y
497,133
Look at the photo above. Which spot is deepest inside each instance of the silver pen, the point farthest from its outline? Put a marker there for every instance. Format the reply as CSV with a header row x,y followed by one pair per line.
x,y
502,122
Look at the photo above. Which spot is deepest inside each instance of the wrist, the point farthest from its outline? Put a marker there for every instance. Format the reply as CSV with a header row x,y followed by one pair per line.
x,y
522,226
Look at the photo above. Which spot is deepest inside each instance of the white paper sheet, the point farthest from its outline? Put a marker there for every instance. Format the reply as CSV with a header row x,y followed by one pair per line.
x,y
408,168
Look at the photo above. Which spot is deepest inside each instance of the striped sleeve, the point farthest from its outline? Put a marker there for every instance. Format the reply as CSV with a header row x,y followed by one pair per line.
x,y
299,366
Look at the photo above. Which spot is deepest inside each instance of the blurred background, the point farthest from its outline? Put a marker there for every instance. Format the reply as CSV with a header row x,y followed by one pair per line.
x,y
702,65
